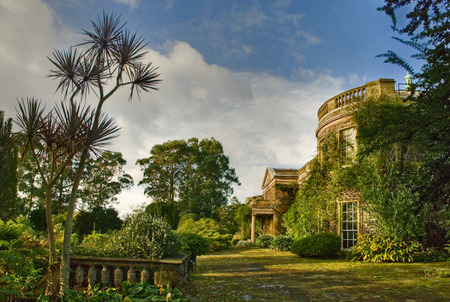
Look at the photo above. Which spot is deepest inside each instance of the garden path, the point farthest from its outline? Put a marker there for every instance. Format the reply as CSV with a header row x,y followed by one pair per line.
x,y
265,275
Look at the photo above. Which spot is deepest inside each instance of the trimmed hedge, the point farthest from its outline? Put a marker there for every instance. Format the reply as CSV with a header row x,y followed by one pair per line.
x,y
318,245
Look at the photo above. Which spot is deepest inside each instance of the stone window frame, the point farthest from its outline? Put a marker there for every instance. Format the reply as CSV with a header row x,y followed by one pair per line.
x,y
349,228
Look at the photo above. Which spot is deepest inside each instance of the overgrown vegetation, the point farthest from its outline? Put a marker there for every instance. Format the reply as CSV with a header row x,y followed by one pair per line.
x,y
371,248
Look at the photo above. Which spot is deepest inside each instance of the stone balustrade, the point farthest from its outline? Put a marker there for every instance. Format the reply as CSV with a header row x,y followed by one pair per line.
x,y
338,107
110,272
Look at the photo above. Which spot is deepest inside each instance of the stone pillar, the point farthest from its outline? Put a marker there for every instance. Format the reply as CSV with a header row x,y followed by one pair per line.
x,y
275,222
253,226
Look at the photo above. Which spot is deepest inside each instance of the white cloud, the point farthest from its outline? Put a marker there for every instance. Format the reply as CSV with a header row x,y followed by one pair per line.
x,y
132,3
262,120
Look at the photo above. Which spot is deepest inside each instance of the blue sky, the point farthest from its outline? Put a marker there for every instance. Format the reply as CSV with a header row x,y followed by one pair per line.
x,y
252,74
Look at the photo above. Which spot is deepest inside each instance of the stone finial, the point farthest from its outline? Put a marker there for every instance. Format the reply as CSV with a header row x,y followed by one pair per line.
x,y
408,81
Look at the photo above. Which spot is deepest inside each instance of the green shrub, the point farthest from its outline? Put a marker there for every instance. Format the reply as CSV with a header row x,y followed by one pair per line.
x,y
209,229
318,245
143,291
188,216
144,236
10,230
281,243
371,248
23,259
264,241
100,245
193,244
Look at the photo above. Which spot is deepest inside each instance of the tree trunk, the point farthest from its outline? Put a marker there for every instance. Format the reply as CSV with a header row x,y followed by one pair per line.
x,y
52,276
65,253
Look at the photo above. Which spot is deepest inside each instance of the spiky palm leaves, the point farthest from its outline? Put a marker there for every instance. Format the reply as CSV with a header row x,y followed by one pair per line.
x,y
113,53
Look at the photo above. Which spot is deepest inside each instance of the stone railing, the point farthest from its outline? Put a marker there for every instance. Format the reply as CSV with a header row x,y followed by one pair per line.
x,y
338,106
343,99
110,272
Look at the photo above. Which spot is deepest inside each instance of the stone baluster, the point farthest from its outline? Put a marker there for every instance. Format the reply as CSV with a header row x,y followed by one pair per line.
x,y
118,277
79,277
145,275
105,276
131,275
92,276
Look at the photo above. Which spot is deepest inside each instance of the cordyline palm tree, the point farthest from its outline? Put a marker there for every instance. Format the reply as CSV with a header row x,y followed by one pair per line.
x,y
54,139
112,59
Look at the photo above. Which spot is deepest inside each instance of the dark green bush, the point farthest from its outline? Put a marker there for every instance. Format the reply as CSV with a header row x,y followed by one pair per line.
x,y
193,244
371,248
264,241
281,243
318,245
145,236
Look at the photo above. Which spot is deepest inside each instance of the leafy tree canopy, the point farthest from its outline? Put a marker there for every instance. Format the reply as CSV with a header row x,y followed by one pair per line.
x,y
195,174
103,179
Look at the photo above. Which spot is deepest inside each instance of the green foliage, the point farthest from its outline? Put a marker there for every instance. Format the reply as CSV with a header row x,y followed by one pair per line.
x,y
145,236
209,229
143,291
264,241
100,245
97,219
10,230
243,217
397,175
103,179
194,173
193,244
168,211
188,216
372,248
314,207
426,122
22,259
8,168
318,245
281,243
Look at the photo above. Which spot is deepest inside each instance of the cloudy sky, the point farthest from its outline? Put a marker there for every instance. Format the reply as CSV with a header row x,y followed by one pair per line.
x,y
251,74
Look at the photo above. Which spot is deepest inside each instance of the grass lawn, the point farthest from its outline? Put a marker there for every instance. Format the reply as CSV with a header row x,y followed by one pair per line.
x,y
266,275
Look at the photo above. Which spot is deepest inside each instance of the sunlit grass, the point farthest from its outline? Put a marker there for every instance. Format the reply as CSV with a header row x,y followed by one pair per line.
x,y
266,275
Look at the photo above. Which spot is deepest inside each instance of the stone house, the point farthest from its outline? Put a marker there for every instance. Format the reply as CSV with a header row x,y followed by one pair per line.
x,y
334,116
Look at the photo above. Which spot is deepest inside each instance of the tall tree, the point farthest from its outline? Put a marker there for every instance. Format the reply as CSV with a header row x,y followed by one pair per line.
x,y
196,174
8,168
103,179
427,127
164,170
113,59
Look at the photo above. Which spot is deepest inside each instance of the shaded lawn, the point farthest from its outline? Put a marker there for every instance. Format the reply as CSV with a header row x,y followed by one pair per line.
x,y
266,275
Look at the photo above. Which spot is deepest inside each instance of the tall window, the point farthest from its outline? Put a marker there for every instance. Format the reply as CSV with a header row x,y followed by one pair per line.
x,y
349,224
347,144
